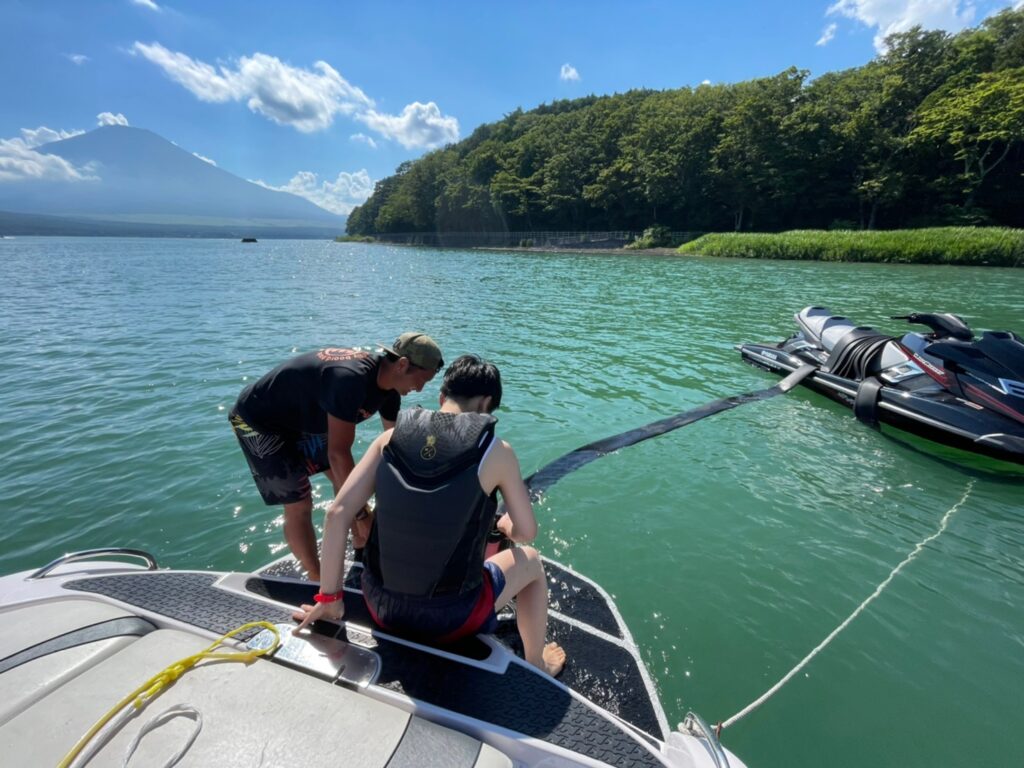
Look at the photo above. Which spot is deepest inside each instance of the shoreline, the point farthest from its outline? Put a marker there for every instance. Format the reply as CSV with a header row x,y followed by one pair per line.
x,y
616,251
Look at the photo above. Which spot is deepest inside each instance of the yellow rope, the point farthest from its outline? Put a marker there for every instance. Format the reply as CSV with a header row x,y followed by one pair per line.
x,y
156,684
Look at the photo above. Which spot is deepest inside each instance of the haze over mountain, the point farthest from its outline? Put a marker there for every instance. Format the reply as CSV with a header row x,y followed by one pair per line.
x,y
132,175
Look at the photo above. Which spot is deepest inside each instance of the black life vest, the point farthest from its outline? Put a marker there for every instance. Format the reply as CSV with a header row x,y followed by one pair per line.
x,y
432,517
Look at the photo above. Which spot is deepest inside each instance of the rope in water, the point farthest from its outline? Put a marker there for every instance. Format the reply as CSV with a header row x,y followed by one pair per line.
x,y
156,684
857,611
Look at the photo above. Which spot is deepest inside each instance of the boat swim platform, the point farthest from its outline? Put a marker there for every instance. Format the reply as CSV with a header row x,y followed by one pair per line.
x,y
506,695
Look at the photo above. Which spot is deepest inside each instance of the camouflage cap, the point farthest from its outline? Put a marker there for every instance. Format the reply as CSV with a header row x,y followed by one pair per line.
x,y
421,350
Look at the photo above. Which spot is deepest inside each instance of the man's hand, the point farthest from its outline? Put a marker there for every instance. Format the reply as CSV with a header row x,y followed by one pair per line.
x,y
307,614
361,528
504,525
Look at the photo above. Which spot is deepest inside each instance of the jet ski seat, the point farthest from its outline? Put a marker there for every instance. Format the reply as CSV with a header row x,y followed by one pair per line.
x,y
821,327
853,351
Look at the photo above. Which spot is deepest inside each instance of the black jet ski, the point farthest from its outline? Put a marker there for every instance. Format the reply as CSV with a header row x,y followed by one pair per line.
x,y
942,384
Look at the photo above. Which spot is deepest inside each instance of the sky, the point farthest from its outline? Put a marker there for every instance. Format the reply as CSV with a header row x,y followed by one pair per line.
x,y
325,97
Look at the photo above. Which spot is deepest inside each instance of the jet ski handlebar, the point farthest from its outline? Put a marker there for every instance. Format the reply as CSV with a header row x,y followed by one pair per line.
x,y
944,326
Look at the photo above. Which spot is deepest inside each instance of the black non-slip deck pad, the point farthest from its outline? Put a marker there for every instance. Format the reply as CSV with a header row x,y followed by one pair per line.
x,y
604,672
575,597
187,597
519,700
567,592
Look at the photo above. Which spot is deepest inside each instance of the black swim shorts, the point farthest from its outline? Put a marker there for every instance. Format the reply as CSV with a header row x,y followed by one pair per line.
x,y
443,619
281,465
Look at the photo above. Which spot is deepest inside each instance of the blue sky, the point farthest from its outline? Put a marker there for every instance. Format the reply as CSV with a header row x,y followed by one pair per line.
x,y
324,97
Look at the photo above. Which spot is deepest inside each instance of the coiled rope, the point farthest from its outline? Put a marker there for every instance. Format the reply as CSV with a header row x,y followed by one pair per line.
x,y
857,611
156,684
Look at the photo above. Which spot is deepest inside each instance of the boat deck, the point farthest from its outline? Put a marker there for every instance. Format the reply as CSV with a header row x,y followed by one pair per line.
x,y
603,666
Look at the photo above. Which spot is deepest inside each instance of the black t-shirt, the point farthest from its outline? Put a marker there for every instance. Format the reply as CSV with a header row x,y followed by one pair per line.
x,y
298,394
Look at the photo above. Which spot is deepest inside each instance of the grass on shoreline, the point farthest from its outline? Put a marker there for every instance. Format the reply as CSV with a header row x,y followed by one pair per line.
x,y
978,246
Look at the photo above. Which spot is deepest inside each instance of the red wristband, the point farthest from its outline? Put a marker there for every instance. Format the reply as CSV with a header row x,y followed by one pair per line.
x,y
328,597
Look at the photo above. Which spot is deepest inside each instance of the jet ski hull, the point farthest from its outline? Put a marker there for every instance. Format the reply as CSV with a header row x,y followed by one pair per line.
x,y
927,411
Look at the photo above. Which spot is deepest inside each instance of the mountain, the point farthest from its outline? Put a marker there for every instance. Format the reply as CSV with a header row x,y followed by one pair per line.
x,y
141,179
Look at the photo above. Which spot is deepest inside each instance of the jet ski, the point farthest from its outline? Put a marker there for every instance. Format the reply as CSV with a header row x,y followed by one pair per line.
x,y
943,383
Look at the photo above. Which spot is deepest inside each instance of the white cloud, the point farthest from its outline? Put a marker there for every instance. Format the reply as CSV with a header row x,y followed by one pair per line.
x,y
78,59
339,196
892,16
827,35
147,4
705,82
109,118
34,137
19,160
364,139
419,125
199,78
569,73
304,99
205,159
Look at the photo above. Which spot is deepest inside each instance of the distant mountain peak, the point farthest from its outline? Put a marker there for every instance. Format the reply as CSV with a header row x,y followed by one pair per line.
x,y
137,173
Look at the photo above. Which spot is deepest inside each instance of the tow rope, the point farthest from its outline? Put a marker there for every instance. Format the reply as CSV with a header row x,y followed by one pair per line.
x,y
551,473
944,523
155,685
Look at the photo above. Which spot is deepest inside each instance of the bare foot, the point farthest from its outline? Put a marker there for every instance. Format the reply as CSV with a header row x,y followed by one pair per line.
x,y
553,656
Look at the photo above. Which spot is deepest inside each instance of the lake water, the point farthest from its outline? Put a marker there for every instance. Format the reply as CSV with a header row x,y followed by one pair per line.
x,y
733,546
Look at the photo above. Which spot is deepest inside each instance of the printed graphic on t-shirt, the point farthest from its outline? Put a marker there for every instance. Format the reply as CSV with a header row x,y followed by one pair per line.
x,y
338,354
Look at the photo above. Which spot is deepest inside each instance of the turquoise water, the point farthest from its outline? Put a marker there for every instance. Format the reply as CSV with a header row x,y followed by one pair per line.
x,y
733,546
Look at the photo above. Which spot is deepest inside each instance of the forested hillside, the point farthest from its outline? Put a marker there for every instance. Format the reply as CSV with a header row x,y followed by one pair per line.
x,y
929,133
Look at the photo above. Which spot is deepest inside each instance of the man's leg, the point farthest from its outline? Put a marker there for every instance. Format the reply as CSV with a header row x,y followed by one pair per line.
x,y
301,536
525,580
280,472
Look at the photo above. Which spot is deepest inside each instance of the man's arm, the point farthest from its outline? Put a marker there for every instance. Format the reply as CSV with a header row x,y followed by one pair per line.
x,y
501,471
340,437
354,493
389,409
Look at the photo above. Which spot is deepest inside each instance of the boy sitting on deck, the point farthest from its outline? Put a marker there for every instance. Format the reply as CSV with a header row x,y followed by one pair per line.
x,y
436,475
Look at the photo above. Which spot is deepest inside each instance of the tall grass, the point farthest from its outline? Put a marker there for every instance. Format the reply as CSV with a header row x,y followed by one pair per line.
x,y
989,246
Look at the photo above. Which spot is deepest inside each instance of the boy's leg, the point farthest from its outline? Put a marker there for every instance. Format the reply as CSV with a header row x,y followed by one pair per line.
x,y
525,580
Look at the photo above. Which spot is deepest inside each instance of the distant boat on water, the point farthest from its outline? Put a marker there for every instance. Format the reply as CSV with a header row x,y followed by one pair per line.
x,y
249,240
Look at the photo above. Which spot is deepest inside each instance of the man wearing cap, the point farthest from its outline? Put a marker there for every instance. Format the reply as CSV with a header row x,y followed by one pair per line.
x,y
300,419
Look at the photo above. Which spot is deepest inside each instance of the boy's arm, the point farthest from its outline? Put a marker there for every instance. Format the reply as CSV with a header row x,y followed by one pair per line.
x,y
352,497
501,470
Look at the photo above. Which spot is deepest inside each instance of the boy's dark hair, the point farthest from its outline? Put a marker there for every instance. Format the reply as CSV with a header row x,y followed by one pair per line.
x,y
469,376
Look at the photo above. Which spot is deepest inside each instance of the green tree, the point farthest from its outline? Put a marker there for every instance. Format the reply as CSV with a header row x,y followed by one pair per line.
x,y
981,119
